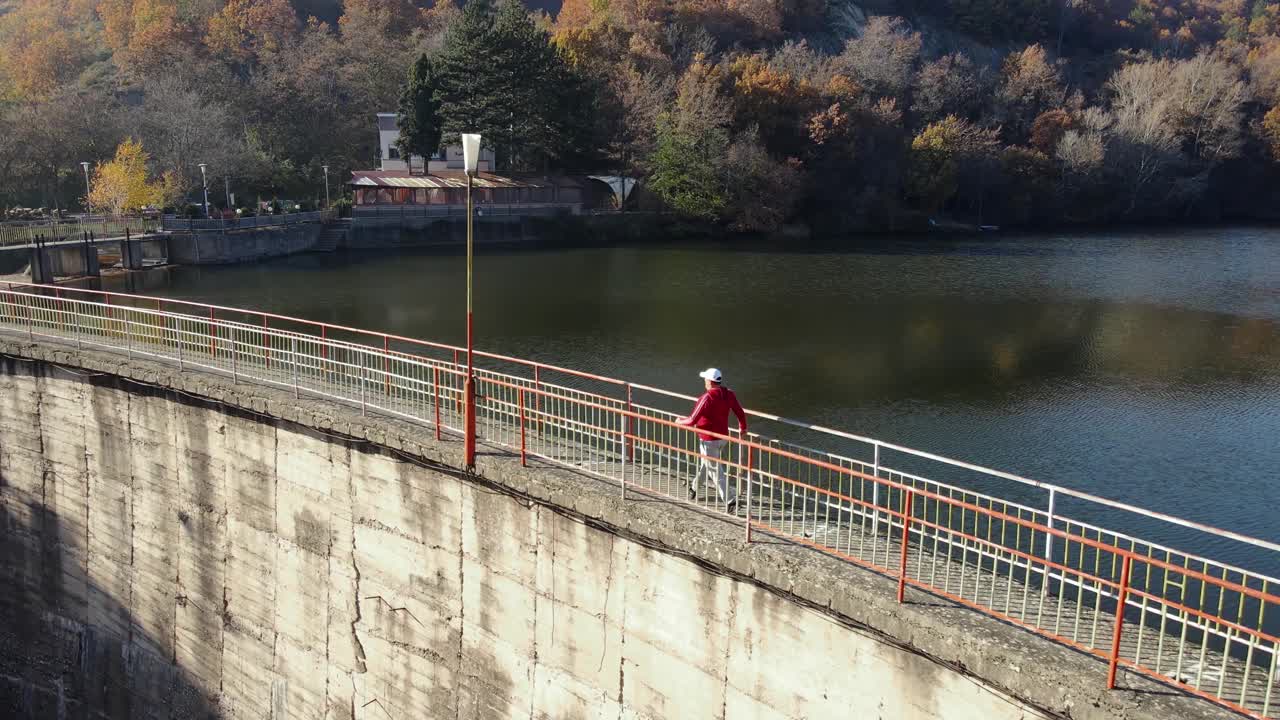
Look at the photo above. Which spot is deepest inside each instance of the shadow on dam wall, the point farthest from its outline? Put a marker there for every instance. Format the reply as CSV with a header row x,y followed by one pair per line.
x,y
52,666
69,647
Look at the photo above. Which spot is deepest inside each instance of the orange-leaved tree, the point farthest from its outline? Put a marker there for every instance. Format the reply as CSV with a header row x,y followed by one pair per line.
x,y
245,29
121,185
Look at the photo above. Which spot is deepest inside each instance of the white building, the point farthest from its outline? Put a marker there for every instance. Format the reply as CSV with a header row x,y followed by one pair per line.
x,y
447,158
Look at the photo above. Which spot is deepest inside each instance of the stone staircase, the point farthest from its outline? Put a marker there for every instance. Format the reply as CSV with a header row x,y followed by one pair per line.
x,y
333,235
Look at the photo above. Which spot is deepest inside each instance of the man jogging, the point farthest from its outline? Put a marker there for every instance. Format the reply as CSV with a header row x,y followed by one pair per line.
x,y
711,414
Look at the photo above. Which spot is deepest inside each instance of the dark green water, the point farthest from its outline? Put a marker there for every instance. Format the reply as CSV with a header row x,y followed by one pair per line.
x,y
1142,367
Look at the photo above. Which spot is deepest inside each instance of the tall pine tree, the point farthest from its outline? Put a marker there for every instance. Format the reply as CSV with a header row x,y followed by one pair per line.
x,y
419,117
499,75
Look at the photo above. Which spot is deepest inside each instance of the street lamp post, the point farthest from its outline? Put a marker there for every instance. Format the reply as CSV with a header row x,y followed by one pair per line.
x,y
88,208
471,161
326,186
226,187
204,182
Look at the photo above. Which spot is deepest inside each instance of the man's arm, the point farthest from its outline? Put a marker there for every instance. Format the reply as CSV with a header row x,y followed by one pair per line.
x,y
697,411
742,415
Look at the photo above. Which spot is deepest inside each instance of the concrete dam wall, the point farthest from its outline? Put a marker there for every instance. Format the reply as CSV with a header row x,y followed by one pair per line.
x,y
175,546
212,247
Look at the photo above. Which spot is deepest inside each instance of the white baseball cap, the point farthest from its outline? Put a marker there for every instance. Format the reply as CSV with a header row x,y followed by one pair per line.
x,y
711,374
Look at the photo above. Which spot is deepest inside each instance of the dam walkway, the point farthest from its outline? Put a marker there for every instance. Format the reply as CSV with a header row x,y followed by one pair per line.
x,y
1031,554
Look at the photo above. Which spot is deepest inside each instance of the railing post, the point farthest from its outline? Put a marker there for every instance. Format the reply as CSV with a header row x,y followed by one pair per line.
x,y
907,507
213,334
177,336
386,366
31,333
293,351
435,383
537,396
457,406
57,294
630,446
747,449
234,372
524,461
1048,540
364,381
1121,600
622,476
266,343
79,342
875,491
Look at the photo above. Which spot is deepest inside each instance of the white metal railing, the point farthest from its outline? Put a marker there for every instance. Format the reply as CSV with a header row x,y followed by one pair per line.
x,y
1207,627
245,223
54,230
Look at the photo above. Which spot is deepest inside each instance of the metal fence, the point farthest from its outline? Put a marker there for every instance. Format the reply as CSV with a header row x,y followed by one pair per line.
x,y
245,223
26,233
1203,626
397,213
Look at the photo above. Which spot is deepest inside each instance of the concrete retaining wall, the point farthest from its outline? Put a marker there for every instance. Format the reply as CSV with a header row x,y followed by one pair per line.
x,y
174,545
217,248
422,231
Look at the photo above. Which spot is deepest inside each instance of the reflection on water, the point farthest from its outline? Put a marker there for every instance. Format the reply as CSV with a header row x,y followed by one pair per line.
x,y
1141,367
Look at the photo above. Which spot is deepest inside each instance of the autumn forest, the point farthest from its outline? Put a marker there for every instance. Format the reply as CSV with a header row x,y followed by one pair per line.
x,y
746,114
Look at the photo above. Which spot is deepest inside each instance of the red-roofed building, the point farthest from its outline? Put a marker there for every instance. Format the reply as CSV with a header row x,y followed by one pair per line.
x,y
440,182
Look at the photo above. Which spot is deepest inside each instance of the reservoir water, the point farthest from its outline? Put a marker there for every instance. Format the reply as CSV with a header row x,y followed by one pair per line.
x,y
1142,366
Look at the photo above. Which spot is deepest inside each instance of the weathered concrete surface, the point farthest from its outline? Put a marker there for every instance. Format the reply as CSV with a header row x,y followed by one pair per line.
x,y
237,246
253,555
390,232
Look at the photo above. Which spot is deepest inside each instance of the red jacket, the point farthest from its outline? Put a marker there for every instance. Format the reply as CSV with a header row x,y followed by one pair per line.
x,y
712,413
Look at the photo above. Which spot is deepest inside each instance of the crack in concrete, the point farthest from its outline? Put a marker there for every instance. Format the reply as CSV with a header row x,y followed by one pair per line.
x,y
177,554
328,590
462,595
84,440
353,696
553,579
604,614
537,597
622,647
388,529
225,522
275,535
355,634
728,644
133,525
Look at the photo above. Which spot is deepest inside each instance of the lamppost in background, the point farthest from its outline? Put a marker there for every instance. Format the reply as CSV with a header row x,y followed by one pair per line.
x,y
471,161
326,186
87,208
204,182
226,187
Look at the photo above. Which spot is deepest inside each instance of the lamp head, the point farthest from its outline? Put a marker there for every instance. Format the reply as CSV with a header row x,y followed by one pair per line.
x,y
471,152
